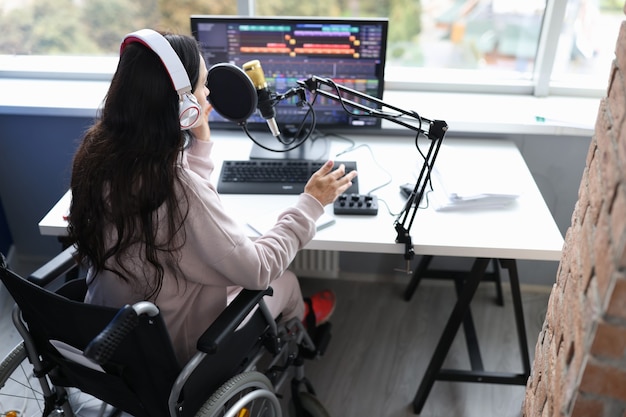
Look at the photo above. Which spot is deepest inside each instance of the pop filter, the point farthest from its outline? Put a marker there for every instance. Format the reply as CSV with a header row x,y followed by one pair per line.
x,y
231,92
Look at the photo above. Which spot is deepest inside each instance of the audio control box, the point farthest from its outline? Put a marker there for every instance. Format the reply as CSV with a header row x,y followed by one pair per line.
x,y
363,204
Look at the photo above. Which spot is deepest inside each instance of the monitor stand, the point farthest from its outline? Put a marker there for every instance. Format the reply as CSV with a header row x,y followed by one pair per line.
x,y
312,149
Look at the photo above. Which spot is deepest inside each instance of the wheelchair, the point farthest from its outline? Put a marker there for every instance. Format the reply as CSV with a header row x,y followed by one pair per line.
x,y
80,359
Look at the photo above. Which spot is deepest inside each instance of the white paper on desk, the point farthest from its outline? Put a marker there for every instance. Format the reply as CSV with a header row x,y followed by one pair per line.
x,y
460,184
441,202
264,222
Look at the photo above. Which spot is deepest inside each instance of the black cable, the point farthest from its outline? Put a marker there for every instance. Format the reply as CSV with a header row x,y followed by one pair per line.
x,y
299,143
354,148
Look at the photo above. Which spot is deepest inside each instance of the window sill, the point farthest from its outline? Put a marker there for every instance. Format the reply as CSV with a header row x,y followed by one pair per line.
x,y
502,113
465,113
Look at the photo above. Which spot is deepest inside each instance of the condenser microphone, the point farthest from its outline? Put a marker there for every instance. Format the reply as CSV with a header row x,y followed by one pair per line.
x,y
265,103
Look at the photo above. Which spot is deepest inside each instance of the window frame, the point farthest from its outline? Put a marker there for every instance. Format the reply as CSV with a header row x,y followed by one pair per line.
x,y
101,68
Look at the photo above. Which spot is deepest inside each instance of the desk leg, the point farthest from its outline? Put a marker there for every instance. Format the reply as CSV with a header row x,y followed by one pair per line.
x,y
498,281
469,329
423,271
516,294
461,313
449,332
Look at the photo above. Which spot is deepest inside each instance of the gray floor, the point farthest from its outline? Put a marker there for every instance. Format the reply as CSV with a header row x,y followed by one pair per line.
x,y
381,346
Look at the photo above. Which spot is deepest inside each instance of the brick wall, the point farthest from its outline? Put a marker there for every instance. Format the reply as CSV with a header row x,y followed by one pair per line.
x,y
580,357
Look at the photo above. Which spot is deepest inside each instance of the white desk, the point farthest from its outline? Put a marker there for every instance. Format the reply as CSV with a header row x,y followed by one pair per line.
x,y
525,229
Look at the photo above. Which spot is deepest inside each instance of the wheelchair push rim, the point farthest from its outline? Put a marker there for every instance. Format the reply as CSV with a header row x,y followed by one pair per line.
x,y
249,394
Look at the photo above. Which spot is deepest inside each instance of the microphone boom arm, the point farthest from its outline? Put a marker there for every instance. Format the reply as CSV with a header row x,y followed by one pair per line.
x,y
436,132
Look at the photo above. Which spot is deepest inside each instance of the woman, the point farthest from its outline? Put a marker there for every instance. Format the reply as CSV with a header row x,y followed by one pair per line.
x,y
148,221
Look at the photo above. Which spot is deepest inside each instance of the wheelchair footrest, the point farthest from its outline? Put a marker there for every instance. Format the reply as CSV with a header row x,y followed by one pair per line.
x,y
321,338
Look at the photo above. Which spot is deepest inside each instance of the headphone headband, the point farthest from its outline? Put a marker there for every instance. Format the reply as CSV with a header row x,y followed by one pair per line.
x,y
155,41
189,108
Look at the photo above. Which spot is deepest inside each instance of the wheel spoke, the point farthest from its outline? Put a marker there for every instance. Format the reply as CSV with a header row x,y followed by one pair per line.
x,y
20,390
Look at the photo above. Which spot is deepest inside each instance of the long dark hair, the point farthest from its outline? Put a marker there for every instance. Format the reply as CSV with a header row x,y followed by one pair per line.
x,y
127,166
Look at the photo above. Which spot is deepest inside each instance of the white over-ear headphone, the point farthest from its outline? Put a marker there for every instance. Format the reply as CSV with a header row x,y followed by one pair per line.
x,y
189,109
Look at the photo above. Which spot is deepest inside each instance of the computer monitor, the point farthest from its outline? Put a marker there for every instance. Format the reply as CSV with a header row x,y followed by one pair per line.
x,y
351,51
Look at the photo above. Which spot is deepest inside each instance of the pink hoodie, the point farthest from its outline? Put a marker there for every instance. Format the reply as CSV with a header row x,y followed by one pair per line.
x,y
217,254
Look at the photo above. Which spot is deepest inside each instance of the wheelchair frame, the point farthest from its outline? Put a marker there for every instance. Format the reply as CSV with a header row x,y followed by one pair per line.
x,y
284,346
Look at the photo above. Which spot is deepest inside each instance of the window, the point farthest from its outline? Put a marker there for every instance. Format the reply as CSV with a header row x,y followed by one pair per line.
x,y
90,27
587,42
511,46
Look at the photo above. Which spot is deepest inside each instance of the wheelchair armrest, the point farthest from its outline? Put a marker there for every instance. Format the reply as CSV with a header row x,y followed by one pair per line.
x,y
103,346
228,321
54,268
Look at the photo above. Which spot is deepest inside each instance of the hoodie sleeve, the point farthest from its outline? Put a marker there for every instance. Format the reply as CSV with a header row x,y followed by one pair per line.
x,y
215,242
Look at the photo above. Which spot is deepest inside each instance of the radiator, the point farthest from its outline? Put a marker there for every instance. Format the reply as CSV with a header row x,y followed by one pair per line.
x,y
316,264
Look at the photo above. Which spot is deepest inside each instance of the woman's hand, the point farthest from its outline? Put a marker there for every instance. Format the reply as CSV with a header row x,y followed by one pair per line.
x,y
327,184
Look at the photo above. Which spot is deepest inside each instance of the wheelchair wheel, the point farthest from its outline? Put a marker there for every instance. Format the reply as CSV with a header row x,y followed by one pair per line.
x,y
21,394
311,406
249,394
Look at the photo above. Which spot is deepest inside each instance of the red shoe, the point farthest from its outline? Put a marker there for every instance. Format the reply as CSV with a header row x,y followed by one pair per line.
x,y
318,308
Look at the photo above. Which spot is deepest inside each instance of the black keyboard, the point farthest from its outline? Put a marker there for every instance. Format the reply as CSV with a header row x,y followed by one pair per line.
x,y
272,176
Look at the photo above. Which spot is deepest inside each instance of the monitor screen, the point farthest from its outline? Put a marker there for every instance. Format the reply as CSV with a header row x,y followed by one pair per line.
x,y
349,51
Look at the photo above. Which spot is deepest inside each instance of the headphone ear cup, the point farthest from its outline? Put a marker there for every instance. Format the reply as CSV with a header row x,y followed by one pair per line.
x,y
189,112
